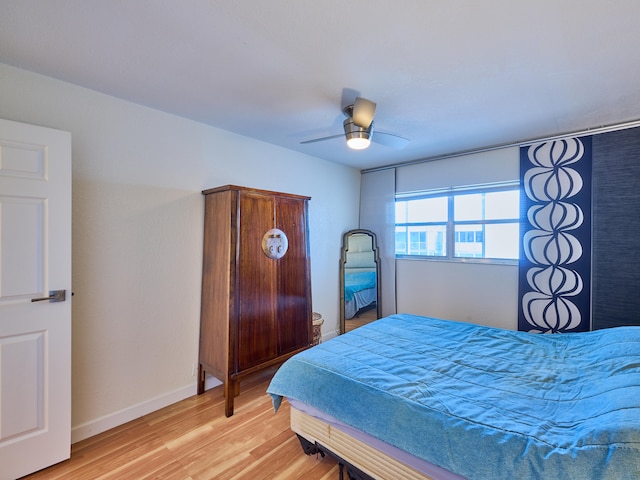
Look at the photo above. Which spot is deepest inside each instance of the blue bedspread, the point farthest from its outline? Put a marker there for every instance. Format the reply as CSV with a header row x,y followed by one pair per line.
x,y
482,402
354,282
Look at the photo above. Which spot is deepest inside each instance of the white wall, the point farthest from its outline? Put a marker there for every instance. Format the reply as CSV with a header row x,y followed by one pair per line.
x,y
137,236
467,292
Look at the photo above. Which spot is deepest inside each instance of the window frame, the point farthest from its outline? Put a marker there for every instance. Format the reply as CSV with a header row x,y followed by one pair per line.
x,y
450,224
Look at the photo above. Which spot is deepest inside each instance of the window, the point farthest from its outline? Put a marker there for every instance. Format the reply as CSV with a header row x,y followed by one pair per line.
x,y
425,226
482,222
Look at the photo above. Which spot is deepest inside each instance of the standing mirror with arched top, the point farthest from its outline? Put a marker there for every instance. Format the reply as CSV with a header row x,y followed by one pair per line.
x,y
359,279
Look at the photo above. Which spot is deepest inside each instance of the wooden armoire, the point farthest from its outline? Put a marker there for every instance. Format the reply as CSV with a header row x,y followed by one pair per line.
x,y
256,284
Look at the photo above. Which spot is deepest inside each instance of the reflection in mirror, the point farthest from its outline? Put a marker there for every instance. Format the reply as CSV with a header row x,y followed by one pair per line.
x,y
359,280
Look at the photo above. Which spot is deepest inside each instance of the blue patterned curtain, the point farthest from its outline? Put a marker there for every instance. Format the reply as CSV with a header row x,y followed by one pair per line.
x,y
555,231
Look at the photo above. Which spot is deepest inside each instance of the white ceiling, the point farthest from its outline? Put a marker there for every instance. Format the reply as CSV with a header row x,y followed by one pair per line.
x,y
451,75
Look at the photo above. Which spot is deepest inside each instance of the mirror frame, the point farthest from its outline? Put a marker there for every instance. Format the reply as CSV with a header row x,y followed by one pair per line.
x,y
343,261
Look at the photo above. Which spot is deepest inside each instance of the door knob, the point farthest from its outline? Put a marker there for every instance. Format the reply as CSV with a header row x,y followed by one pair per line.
x,y
54,296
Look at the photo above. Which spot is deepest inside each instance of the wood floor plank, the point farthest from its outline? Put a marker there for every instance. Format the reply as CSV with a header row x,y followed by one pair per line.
x,y
363,318
193,440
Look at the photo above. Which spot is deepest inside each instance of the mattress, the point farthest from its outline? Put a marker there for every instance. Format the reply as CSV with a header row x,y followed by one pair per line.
x,y
481,402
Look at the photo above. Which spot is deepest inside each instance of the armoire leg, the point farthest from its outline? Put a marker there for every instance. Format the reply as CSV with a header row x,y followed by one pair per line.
x,y
229,395
200,386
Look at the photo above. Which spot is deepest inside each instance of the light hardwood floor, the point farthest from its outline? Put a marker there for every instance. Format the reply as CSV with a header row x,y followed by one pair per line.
x,y
365,317
193,440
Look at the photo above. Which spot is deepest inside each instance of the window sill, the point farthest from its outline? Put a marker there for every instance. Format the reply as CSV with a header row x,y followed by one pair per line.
x,y
477,261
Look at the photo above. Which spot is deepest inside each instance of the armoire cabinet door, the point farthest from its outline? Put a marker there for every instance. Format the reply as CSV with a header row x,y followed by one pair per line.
x,y
293,278
256,334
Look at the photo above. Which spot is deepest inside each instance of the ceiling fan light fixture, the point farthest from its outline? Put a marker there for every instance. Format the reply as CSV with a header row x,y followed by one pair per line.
x,y
358,143
358,138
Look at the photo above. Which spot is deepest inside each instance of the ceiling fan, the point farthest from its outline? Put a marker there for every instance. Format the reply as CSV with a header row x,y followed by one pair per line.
x,y
358,128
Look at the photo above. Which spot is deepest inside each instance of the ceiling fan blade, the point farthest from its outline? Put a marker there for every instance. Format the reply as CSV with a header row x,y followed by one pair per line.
x,y
322,139
389,139
363,112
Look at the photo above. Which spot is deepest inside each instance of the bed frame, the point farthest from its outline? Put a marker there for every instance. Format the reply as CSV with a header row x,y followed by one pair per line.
x,y
357,459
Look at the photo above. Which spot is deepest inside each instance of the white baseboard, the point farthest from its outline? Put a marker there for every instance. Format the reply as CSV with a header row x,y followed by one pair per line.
x,y
102,424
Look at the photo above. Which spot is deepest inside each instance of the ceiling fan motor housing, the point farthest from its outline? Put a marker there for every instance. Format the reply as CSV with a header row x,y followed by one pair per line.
x,y
357,137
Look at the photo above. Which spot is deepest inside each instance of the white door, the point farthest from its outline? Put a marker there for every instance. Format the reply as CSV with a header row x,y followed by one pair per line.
x,y
35,336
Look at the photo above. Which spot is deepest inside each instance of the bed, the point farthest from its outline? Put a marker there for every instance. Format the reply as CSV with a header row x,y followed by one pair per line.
x,y
360,290
416,397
